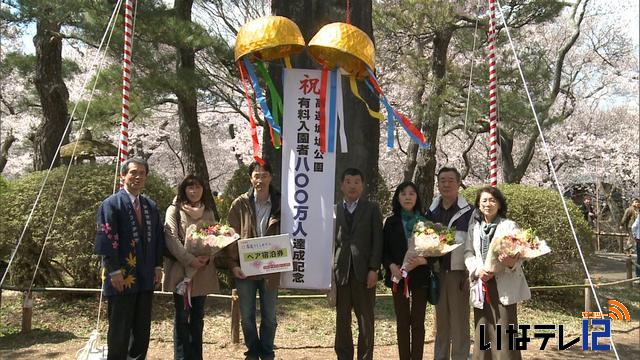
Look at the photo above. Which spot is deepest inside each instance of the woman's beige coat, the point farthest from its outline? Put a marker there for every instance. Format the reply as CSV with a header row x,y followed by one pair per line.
x,y
205,280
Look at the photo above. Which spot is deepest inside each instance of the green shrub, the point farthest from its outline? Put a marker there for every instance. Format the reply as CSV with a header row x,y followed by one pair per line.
x,y
541,209
68,259
4,185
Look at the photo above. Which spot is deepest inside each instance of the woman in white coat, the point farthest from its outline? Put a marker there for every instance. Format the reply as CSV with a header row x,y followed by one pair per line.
x,y
505,287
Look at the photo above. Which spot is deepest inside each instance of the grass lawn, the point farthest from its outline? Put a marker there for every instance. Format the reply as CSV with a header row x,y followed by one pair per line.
x,y
62,323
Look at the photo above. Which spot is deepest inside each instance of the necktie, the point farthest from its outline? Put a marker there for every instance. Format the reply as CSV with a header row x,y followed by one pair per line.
x,y
136,207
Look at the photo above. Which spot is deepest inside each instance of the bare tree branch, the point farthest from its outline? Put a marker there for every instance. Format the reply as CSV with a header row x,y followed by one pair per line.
x,y
4,149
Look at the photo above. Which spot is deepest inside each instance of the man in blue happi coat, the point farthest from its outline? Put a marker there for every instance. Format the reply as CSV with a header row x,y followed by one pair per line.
x,y
130,237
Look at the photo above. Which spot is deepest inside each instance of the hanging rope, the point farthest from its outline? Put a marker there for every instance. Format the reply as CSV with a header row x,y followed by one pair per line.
x,y
112,24
559,186
348,11
126,83
46,178
493,98
473,51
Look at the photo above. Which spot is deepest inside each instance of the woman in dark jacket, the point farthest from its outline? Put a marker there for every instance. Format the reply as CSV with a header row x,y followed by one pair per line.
x,y
409,306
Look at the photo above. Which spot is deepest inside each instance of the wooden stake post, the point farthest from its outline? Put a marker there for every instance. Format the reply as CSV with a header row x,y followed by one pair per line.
x,y
629,264
235,317
27,313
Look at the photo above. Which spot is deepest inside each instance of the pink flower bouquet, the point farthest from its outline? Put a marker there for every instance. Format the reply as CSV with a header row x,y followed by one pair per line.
x,y
207,240
522,242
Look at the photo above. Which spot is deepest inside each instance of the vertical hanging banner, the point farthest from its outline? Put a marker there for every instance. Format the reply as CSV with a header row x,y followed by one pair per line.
x,y
308,180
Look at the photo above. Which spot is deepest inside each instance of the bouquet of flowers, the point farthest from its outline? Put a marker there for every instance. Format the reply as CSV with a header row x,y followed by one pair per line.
x,y
428,239
207,240
431,239
522,242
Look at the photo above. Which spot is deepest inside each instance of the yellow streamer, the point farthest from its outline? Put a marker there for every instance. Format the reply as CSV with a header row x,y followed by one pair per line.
x,y
287,62
354,90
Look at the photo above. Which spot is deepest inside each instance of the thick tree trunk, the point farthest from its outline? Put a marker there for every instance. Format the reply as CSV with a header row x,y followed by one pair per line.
x,y
425,160
512,173
53,95
363,132
190,140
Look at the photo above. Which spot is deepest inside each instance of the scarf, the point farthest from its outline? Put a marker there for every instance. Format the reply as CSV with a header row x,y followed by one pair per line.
x,y
486,235
194,212
409,220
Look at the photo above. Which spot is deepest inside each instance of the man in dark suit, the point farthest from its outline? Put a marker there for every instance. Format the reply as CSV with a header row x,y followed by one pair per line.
x,y
358,253
130,238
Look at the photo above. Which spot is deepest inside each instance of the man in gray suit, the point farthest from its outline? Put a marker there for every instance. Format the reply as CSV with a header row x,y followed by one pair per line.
x,y
358,253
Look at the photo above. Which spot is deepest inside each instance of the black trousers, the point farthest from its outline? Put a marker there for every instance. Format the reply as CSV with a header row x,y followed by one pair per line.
x,y
129,325
410,323
354,295
187,328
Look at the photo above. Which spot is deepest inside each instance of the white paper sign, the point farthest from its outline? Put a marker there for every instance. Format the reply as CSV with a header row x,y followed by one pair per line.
x,y
308,180
265,255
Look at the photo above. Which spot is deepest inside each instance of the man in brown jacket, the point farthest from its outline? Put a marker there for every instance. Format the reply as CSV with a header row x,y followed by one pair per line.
x,y
256,214
358,254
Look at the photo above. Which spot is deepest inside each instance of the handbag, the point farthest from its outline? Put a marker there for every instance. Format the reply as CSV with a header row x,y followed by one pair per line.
x,y
432,287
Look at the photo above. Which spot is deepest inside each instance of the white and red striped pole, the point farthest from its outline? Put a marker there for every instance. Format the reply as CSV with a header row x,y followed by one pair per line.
x,y
493,98
126,82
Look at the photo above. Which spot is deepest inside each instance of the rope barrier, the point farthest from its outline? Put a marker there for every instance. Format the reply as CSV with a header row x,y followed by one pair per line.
x,y
305,296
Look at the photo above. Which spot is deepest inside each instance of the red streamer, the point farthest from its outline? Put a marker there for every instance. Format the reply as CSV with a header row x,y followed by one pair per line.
x,y
485,291
252,121
412,128
323,109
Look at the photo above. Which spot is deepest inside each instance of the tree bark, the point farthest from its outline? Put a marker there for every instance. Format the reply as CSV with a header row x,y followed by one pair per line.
x,y
363,132
424,160
53,95
186,93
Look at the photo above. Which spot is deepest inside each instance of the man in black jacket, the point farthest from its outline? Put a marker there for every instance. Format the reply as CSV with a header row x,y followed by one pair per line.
x,y
358,253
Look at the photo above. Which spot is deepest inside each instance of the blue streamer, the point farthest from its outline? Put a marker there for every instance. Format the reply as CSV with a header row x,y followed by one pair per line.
x,y
390,114
333,80
260,96
424,145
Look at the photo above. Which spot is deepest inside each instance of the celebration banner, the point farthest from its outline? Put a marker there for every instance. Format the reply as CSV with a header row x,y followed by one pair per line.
x,y
308,177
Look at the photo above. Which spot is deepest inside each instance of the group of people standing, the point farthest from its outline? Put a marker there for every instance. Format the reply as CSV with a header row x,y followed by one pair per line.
x,y
136,245
445,281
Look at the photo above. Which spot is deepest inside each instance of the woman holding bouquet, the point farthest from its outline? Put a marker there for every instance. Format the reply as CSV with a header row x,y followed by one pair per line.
x,y
409,307
187,209
503,282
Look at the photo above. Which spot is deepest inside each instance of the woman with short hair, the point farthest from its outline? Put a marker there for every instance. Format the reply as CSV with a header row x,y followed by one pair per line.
x,y
505,287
